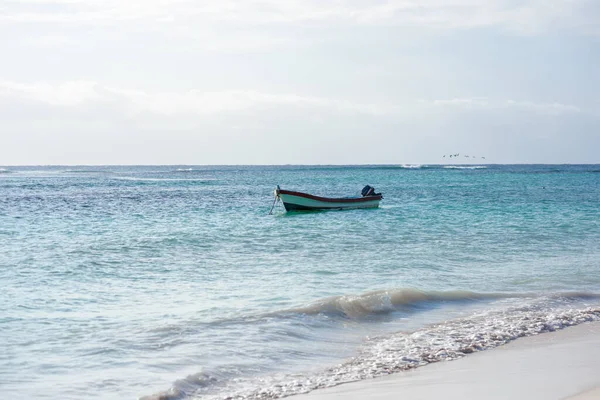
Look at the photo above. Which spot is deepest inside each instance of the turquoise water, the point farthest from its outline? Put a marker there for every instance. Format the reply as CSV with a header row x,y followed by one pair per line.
x,y
124,282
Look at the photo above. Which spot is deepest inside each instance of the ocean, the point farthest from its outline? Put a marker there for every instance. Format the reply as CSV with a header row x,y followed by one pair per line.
x,y
174,282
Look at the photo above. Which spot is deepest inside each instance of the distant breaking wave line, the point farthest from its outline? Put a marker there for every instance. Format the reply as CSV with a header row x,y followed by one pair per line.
x,y
136,179
86,171
465,167
412,166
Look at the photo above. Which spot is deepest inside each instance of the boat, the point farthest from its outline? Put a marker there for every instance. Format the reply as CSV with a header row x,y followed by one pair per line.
x,y
298,201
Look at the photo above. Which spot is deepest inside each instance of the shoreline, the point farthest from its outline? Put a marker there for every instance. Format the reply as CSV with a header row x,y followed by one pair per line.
x,y
556,365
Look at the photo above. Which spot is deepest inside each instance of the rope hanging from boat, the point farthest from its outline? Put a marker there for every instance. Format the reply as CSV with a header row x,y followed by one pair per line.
x,y
276,193
273,206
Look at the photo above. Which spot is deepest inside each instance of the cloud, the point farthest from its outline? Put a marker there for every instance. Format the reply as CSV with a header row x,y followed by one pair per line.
x,y
544,108
527,17
195,102
79,122
77,93
469,102
482,103
64,94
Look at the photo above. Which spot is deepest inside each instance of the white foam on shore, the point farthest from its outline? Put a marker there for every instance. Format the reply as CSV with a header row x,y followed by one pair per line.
x,y
555,366
403,351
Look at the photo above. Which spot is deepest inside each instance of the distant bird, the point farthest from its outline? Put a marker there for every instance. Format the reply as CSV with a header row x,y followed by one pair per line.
x,y
483,158
444,156
466,156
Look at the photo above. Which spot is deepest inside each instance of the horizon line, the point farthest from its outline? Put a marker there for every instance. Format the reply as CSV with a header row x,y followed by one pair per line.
x,y
276,165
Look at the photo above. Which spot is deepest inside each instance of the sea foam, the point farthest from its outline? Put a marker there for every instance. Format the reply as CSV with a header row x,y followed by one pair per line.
x,y
384,354
403,351
412,166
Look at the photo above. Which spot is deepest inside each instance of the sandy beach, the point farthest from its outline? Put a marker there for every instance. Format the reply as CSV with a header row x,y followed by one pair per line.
x,y
560,365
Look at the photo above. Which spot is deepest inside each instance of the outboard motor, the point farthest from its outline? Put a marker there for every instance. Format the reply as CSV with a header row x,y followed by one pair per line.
x,y
369,191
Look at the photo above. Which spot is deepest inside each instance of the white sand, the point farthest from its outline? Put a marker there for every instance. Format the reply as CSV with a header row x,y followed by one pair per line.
x,y
550,366
593,394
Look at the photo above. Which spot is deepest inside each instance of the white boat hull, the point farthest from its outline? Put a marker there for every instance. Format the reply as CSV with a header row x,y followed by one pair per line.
x,y
296,201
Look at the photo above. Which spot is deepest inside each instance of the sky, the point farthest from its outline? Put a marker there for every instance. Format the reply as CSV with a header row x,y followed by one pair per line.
x,y
94,82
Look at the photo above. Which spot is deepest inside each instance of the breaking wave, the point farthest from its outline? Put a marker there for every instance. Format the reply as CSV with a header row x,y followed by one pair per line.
x,y
182,387
412,166
447,341
512,316
383,301
186,170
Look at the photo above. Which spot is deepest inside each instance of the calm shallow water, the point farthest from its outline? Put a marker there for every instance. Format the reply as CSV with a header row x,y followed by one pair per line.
x,y
120,282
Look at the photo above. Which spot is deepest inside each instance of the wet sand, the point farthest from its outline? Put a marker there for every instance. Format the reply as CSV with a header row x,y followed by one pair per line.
x,y
550,366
